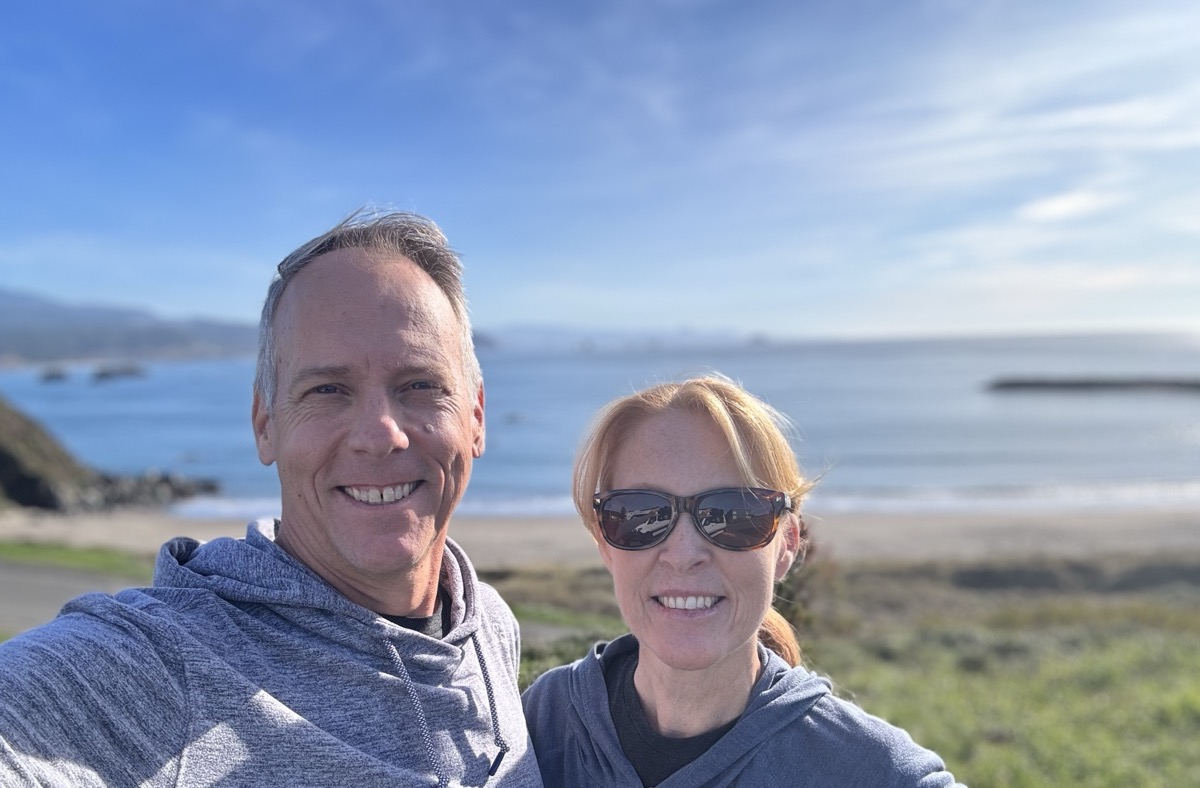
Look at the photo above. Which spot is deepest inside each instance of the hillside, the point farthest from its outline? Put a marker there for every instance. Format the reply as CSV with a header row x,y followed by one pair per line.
x,y
36,329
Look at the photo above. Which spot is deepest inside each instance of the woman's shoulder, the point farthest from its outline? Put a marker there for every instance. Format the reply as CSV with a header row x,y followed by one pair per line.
x,y
866,749
558,679
578,683
796,711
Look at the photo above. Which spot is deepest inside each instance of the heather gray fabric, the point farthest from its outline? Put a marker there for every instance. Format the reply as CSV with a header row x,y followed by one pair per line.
x,y
241,667
792,733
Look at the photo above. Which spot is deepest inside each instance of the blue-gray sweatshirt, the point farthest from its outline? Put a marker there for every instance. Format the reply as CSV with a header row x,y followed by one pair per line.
x,y
242,667
793,733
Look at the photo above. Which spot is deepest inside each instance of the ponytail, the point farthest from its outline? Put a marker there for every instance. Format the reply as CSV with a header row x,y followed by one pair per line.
x,y
778,635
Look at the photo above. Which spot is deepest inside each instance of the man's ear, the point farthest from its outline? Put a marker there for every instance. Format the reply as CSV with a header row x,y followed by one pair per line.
x,y
480,427
264,428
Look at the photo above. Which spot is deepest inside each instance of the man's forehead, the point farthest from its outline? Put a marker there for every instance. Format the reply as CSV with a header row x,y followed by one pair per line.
x,y
363,276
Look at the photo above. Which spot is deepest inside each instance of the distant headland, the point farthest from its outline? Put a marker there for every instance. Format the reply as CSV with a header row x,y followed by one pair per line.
x,y
1085,384
36,330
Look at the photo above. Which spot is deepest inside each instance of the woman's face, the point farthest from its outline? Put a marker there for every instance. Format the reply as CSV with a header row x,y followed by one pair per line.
x,y
683,453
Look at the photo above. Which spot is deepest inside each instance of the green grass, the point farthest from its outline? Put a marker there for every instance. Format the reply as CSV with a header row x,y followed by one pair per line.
x,y
1109,703
98,560
539,656
1029,674
1023,675
601,625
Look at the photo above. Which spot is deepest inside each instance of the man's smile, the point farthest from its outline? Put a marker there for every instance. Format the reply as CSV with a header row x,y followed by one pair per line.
x,y
380,495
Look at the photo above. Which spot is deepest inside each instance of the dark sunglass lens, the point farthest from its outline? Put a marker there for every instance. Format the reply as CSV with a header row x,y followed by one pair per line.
x,y
634,520
737,519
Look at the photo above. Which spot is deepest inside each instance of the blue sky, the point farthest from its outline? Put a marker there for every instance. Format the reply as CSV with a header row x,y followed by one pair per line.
x,y
796,169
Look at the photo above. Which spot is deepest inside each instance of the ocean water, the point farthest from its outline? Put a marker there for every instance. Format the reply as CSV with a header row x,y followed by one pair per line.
x,y
888,425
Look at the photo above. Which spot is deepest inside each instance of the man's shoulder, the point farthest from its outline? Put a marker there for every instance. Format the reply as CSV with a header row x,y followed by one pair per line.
x,y
85,686
82,661
92,629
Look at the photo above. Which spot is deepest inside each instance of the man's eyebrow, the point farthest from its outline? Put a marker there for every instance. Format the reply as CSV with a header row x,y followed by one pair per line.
x,y
321,373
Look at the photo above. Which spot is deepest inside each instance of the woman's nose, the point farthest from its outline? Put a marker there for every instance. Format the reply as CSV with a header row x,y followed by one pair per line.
x,y
684,547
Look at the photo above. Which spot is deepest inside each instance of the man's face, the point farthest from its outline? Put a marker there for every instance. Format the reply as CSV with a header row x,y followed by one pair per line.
x,y
373,427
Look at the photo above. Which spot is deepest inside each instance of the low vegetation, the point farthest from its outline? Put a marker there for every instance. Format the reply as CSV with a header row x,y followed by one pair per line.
x,y
137,568
1029,674
1038,673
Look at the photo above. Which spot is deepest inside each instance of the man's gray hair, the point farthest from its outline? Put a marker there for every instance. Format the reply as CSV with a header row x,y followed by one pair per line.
x,y
395,232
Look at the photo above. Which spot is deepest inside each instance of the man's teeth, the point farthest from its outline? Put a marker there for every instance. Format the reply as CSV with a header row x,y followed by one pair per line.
x,y
688,602
380,494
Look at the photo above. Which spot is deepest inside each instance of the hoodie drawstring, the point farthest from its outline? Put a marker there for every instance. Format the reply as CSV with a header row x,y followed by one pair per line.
x,y
439,768
487,684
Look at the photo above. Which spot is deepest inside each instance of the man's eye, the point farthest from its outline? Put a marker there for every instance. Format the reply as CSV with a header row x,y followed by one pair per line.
x,y
324,388
424,385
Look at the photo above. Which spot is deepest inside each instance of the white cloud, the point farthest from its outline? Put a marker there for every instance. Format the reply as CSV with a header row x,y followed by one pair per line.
x,y
1071,205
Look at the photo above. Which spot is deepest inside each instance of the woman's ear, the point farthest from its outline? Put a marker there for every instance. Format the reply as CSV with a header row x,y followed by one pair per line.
x,y
604,549
793,547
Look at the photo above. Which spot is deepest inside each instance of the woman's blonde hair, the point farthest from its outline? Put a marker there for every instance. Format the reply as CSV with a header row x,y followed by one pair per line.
x,y
755,432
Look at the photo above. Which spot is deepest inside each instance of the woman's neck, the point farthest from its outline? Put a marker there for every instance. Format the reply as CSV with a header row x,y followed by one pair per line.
x,y
683,703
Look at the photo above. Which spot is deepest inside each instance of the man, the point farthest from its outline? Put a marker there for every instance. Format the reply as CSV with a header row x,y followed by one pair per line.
x,y
347,643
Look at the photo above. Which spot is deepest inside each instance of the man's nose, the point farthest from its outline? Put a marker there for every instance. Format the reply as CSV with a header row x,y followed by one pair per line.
x,y
379,427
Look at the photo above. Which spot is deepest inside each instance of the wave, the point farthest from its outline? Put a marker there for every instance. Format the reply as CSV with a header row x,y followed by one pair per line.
x,y
1131,495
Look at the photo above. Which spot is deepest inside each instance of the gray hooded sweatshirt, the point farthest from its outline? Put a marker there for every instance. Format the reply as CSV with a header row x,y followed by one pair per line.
x,y
242,667
793,734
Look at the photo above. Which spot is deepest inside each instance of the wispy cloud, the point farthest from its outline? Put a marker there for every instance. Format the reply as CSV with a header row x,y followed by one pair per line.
x,y
1071,205
985,151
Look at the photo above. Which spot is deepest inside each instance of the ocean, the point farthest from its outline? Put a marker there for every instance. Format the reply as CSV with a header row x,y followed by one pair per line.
x,y
886,425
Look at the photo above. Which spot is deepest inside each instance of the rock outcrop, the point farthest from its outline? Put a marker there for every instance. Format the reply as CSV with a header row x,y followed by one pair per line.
x,y
37,471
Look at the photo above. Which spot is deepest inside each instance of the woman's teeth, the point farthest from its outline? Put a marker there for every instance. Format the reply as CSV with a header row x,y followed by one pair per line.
x,y
687,602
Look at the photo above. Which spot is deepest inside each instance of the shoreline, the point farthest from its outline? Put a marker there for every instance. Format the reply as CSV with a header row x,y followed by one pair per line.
x,y
846,537
31,595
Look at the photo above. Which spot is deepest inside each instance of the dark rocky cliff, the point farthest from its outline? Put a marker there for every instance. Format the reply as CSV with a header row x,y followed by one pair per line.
x,y
37,471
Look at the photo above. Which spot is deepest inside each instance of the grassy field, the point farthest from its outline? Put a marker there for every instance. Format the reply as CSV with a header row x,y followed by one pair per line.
x,y
137,568
1039,673
1034,673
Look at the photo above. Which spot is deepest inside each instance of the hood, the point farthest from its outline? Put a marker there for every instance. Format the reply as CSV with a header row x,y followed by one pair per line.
x,y
779,685
780,697
257,571
257,576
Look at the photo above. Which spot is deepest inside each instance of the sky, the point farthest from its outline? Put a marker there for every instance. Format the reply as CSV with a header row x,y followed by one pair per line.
x,y
786,168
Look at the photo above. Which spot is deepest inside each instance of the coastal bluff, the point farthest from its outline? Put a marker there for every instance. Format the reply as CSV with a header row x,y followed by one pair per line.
x,y
37,471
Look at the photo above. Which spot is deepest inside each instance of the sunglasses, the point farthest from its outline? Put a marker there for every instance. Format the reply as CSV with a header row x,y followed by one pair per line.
x,y
733,518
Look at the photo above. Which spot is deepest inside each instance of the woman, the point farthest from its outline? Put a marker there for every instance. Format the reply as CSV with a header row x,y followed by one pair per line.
x,y
692,493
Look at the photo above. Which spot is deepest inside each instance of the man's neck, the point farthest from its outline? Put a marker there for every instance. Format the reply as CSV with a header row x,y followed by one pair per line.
x,y
411,593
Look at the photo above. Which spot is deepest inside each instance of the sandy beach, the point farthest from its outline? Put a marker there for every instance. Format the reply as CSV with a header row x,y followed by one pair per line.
x,y
30,595
846,537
